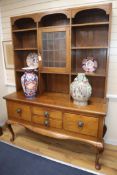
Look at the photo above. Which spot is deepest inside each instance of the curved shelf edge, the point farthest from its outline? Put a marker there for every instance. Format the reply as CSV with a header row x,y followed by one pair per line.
x,y
106,8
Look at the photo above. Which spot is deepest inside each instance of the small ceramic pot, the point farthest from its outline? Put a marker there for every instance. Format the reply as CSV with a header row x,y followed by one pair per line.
x,y
29,81
80,90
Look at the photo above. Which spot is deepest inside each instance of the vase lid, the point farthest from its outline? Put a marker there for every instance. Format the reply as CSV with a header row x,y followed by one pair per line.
x,y
29,68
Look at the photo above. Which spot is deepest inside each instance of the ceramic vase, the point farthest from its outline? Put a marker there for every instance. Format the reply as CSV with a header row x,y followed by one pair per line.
x,y
29,81
80,90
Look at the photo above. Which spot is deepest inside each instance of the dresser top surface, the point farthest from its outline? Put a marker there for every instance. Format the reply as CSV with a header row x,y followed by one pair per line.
x,y
97,106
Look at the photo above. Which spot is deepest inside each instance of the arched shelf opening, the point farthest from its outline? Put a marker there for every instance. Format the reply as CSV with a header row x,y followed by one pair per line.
x,y
90,15
56,19
24,23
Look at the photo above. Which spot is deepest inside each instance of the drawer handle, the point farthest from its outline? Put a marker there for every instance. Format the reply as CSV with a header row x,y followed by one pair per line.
x,y
80,124
46,123
46,114
18,110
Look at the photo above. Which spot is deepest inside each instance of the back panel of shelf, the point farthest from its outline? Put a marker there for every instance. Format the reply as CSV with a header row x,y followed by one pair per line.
x,y
55,19
90,36
57,83
23,23
90,15
25,39
18,76
79,55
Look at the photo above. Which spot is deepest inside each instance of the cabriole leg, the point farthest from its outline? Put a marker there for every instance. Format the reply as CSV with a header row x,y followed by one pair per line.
x,y
11,131
98,154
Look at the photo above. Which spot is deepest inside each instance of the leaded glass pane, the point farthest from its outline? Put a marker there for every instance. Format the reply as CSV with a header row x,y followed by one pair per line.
x,y
54,49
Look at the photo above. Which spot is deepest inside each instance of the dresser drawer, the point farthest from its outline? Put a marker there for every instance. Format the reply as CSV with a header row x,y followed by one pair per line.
x,y
50,122
80,124
18,110
41,111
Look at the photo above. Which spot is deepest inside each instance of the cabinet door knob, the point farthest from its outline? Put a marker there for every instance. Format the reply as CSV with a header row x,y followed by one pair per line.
x,y
80,124
18,110
46,114
46,123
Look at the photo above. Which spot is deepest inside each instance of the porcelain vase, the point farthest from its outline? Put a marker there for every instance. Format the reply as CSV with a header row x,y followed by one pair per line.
x,y
80,90
29,81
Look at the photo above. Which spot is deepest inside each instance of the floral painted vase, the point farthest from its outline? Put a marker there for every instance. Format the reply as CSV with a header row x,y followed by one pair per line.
x,y
80,90
29,81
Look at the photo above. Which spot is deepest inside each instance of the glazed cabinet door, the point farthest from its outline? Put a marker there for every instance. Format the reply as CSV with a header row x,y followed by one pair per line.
x,y
54,48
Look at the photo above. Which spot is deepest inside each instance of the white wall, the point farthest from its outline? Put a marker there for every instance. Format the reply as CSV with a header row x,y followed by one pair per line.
x,y
17,7
2,90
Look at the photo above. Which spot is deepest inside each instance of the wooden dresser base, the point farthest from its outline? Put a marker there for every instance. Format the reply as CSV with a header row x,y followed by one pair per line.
x,y
98,145
54,115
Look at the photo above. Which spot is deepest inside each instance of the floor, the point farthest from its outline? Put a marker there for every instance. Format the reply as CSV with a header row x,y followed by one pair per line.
x,y
76,153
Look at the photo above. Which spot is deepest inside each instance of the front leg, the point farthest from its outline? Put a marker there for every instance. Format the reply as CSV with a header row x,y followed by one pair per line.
x,y
98,154
11,131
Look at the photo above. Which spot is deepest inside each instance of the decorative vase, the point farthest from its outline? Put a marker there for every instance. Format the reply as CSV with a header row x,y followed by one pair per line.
x,y
80,90
29,81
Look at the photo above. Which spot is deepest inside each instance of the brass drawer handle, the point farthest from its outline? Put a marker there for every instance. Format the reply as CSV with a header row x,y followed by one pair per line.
x,y
18,110
80,124
46,123
46,114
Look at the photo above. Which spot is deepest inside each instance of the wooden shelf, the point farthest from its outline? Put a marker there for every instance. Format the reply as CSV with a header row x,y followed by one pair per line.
x,y
54,26
90,47
90,24
48,72
24,30
18,49
93,74
21,70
